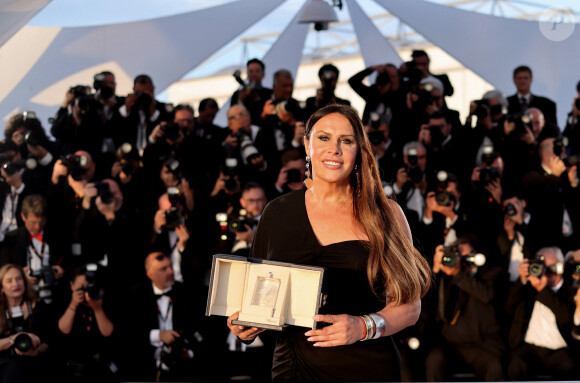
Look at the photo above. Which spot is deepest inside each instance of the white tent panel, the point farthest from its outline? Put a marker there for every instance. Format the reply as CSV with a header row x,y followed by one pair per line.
x,y
493,46
14,14
285,53
165,48
374,47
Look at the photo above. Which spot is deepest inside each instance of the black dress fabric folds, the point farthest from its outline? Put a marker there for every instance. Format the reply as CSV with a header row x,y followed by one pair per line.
x,y
285,234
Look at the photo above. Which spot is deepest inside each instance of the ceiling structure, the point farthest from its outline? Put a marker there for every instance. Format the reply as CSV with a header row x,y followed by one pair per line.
x,y
490,37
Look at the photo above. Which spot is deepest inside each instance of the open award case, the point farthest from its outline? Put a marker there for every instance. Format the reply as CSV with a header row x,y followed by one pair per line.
x,y
270,294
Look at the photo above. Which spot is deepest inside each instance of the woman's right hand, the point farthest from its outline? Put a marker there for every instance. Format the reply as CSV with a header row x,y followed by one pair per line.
x,y
243,332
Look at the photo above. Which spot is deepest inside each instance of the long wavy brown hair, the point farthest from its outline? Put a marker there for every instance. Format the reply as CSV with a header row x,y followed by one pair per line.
x,y
29,294
395,267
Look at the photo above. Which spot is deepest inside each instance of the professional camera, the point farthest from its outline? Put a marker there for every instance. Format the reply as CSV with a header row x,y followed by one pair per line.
x,y
247,149
411,75
104,191
522,120
144,101
173,215
12,167
128,157
171,130
483,109
442,196
79,91
92,288
423,92
414,171
436,136
76,165
46,281
238,223
230,167
452,256
537,267
560,144
488,173
376,137
181,349
293,175
245,84
510,209
23,342
102,92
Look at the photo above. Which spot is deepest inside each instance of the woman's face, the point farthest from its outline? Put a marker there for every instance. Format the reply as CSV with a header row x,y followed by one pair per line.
x,y
13,285
332,149
168,178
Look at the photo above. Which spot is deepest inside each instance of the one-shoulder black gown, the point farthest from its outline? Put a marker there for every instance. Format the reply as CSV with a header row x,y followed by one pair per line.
x,y
285,234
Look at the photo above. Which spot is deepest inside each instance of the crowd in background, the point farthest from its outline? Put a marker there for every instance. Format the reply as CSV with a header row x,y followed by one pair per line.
x,y
111,216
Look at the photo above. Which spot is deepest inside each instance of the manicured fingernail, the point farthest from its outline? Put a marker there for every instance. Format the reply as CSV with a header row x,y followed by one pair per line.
x,y
307,333
309,339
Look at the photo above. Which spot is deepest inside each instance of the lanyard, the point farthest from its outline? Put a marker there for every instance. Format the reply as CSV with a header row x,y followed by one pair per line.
x,y
161,316
40,255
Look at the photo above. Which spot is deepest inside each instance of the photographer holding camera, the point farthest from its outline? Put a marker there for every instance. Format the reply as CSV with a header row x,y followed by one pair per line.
x,y
24,329
164,326
410,181
465,315
252,201
445,218
85,328
552,194
141,113
79,122
385,150
38,249
252,94
109,235
291,175
33,153
541,306
328,75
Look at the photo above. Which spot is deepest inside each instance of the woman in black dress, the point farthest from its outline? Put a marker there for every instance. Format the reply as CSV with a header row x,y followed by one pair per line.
x,y
375,277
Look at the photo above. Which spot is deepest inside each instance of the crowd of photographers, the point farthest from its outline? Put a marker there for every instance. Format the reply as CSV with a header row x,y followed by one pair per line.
x,y
110,222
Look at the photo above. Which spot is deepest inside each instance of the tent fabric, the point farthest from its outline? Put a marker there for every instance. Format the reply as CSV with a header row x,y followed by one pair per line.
x,y
493,46
14,14
166,48
374,47
285,53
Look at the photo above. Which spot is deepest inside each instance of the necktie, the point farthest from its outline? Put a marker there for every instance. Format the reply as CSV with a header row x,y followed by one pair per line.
x,y
523,103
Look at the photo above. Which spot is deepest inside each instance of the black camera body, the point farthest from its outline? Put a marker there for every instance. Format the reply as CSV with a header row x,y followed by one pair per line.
x,y
104,191
237,224
173,216
451,256
171,130
46,274
436,136
510,209
144,101
536,267
444,198
76,165
488,174
293,175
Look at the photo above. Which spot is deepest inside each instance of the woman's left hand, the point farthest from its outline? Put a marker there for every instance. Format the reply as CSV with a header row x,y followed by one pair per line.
x,y
344,329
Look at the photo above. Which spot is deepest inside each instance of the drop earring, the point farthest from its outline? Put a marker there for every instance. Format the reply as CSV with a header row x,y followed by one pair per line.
x,y
357,174
308,179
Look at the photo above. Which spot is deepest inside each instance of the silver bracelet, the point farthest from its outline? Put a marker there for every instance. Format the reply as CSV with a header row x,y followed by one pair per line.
x,y
368,323
380,325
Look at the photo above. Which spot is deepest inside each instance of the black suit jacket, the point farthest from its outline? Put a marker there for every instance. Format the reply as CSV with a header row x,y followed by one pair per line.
x,y
141,316
547,106
520,304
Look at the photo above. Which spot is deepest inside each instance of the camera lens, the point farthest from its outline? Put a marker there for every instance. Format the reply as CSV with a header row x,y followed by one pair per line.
x,y
23,342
